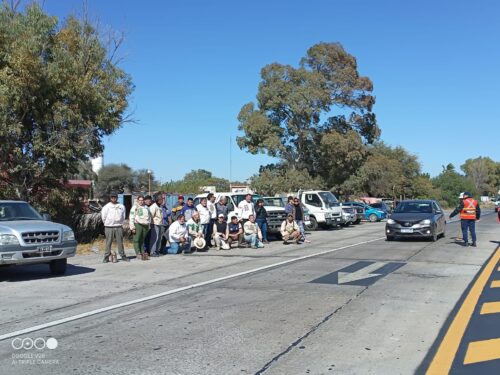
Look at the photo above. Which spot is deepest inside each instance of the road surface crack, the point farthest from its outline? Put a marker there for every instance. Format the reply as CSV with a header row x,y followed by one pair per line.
x,y
294,344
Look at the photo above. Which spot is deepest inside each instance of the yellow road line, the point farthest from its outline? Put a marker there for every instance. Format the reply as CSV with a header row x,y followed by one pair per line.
x,y
490,308
495,284
445,354
480,351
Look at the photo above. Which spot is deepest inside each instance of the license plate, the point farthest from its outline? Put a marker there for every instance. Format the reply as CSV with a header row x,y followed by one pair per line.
x,y
406,230
44,249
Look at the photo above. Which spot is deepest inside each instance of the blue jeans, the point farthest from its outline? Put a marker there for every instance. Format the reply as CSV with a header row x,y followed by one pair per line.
x,y
253,239
176,247
466,226
262,223
300,223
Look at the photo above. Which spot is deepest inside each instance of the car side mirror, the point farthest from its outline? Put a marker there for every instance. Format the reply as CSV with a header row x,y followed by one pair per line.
x,y
46,217
439,212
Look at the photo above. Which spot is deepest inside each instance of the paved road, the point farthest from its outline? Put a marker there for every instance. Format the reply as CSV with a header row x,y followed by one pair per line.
x,y
348,303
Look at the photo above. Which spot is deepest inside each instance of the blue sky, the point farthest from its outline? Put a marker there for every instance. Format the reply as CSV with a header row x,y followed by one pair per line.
x,y
434,65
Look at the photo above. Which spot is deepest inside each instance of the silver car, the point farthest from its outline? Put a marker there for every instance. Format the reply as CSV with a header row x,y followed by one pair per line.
x,y
26,237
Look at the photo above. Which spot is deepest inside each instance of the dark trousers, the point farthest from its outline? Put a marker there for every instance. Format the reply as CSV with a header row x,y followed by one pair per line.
x,y
467,225
209,232
262,223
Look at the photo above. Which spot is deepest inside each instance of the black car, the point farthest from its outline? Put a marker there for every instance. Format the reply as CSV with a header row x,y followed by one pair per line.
x,y
416,218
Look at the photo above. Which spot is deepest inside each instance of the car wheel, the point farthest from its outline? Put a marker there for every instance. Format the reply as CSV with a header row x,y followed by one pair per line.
x,y
373,218
390,238
314,224
434,235
58,266
357,221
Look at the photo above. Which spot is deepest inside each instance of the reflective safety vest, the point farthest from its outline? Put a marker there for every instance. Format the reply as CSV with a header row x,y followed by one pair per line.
x,y
469,210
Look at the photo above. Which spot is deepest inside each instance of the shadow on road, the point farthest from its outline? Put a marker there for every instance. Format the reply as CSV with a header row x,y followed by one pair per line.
x,y
38,271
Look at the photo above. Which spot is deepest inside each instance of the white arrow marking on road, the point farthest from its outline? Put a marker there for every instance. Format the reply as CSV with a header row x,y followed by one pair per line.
x,y
363,273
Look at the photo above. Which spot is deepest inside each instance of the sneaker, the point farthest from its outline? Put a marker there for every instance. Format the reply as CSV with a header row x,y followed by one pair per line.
x,y
124,258
105,260
155,255
265,241
254,247
474,244
260,245
307,241
285,242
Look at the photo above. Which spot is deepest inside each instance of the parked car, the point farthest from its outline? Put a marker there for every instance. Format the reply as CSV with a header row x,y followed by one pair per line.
x,y
382,206
26,237
369,213
497,203
416,218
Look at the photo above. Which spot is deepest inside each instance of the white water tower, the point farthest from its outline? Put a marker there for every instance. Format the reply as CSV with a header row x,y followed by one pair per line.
x,y
97,164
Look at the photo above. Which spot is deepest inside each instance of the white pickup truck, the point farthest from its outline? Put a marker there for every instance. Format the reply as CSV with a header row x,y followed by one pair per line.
x,y
324,208
26,237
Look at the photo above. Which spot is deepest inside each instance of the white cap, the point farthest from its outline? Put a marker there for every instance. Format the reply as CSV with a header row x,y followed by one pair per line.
x,y
461,196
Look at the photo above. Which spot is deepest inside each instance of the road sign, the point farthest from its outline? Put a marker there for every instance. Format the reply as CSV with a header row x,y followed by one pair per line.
x,y
362,273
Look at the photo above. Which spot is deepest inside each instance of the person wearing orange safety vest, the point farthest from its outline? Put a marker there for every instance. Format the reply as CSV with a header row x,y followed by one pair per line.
x,y
470,212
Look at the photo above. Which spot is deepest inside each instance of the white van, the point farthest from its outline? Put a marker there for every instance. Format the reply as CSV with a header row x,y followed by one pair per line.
x,y
324,208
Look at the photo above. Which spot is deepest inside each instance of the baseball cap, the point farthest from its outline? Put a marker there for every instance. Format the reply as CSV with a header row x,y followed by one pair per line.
x,y
221,215
180,197
461,195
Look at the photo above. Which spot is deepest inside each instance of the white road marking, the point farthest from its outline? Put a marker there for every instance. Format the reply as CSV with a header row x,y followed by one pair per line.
x,y
173,291
363,273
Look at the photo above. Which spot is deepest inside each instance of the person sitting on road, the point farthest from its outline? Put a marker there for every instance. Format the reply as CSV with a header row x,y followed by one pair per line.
x,y
178,237
235,232
194,227
252,233
290,230
221,233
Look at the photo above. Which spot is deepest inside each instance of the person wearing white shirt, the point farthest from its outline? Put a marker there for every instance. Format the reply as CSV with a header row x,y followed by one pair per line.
x,y
204,218
113,216
246,208
178,236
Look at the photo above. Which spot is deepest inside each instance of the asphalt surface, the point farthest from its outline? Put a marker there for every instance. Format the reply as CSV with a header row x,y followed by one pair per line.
x,y
347,303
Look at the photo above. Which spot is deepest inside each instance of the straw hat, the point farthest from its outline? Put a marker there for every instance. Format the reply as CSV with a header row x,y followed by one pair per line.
x,y
199,243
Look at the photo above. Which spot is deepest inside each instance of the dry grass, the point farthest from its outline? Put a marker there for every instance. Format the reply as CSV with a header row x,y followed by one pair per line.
x,y
97,246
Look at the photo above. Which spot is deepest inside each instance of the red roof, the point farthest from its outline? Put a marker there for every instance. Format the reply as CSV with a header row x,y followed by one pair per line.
x,y
83,184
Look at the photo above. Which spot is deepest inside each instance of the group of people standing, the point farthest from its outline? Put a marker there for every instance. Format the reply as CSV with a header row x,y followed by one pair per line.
x,y
189,228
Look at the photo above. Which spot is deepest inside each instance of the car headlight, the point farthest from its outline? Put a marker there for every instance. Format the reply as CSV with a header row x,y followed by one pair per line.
x,y
68,235
8,239
425,222
390,221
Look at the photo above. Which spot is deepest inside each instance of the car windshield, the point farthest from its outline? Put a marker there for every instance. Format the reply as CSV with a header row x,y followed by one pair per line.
x,y
414,207
10,211
329,199
274,201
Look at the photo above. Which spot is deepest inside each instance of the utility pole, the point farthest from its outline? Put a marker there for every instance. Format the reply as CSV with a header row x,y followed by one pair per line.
x,y
149,181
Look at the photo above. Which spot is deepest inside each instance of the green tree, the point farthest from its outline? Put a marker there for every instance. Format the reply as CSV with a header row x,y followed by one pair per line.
x,y
274,179
387,172
297,107
119,178
194,180
61,92
484,173
451,184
